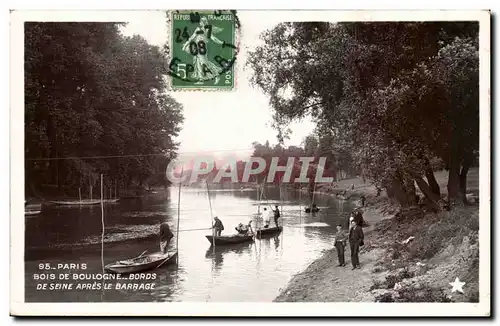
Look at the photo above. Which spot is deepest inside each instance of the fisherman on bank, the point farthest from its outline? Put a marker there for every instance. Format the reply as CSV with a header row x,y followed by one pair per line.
x,y
218,226
340,241
356,237
165,236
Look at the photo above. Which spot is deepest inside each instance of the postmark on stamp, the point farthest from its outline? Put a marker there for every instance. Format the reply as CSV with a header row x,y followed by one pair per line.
x,y
203,49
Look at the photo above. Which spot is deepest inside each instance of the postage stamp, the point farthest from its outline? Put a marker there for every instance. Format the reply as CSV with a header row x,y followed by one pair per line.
x,y
348,166
203,49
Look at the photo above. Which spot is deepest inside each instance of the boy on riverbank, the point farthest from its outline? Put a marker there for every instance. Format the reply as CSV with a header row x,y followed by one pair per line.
x,y
340,243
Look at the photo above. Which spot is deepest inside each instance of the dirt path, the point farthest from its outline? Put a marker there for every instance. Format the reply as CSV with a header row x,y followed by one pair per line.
x,y
324,281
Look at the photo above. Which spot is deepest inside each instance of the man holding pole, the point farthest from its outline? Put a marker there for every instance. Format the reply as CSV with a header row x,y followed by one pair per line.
x,y
276,215
217,226
165,236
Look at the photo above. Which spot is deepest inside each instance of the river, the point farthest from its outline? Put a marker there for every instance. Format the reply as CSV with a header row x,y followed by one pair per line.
x,y
251,272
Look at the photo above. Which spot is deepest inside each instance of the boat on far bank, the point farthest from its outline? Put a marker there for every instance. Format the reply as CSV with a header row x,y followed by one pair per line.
x,y
83,202
314,210
32,212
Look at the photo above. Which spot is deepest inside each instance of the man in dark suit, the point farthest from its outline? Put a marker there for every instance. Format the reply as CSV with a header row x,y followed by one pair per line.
x,y
356,238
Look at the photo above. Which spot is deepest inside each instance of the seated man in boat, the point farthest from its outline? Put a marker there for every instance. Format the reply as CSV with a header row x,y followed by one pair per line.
x,y
218,226
243,229
276,215
165,236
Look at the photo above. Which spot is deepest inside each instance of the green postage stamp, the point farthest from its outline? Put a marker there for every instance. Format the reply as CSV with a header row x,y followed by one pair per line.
x,y
203,49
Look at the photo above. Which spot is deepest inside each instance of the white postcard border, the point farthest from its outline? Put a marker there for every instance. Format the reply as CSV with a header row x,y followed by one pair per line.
x,y
19,307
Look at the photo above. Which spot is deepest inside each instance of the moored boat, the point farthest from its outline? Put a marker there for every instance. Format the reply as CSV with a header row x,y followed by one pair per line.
x,y
32,212
314,210
142,263
82,202
228,239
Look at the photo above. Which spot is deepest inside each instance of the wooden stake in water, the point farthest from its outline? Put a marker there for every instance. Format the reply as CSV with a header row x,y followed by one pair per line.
x,y
211,217
282,215
312,199
179,214
80,194
102,220
258,197
300,205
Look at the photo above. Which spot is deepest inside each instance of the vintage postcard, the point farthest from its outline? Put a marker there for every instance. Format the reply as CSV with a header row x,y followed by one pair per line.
x,y
217,162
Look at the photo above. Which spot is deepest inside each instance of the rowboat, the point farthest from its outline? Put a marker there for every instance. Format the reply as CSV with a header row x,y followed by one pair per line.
x,y
264,231
142,263
82,202
228,239
308,210
32,212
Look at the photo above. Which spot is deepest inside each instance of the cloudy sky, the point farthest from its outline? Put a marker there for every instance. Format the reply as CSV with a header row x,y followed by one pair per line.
x,y
222,121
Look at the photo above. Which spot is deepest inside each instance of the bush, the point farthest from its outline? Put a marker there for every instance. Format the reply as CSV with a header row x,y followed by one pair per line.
x,y
392,279
452,226
422,295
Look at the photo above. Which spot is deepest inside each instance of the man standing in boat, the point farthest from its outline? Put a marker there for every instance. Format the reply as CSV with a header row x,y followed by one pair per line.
x,y
218,226
266,216
276,215
165,236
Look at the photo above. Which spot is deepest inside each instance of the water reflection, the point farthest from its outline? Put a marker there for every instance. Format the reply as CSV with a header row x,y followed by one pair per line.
x,y
252,271
216,253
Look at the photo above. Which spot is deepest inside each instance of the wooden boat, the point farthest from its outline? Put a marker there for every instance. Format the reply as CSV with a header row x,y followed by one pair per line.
x,y
32,212
84,202
132,197
308,210
142,263
228,239
264,231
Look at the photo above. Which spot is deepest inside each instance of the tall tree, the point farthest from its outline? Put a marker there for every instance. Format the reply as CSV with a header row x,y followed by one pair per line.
x,y
92,93
364,83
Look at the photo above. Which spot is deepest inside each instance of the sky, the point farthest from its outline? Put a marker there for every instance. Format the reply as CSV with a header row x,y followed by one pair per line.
x,y
222,121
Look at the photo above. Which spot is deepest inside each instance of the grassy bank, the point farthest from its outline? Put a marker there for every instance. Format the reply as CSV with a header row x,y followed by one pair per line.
x,y
406,258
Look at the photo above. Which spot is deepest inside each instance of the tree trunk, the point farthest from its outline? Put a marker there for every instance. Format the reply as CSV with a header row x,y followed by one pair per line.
x,y
399,192
428,193
429,174
410,191
454,181
463,180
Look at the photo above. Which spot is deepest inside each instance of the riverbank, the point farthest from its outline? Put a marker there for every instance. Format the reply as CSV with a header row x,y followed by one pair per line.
x,y
406,258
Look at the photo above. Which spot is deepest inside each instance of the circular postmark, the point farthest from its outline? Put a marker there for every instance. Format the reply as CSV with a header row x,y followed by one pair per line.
x,y
203,48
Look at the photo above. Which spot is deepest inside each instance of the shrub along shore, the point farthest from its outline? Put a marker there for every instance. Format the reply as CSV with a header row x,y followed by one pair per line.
x,y
409,255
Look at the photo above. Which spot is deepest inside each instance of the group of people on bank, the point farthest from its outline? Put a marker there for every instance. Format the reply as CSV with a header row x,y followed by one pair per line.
x,y
355,237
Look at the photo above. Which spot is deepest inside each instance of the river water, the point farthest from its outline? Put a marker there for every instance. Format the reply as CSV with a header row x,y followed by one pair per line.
x,y
251,272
